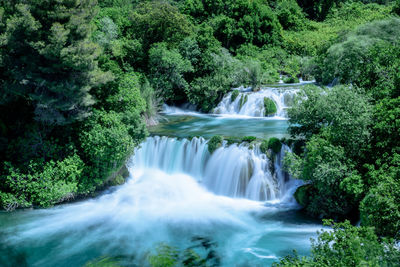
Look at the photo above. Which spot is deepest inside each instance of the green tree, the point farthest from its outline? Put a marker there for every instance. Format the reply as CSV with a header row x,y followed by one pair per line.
x,y
236,22
381,206
319,9
367,57
49,59
343,113
290,15
167,68
159,21
336,184
106,144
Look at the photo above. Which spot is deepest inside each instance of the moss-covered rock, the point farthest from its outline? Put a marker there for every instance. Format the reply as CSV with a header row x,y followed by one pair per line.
x,y
249,139
264,146
118,177
215,143
118,180
275,145
291,79
243,100
303,194
231,140
270,107
234,95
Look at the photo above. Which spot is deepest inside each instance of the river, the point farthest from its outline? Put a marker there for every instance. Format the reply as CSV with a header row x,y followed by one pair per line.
x,y
237,198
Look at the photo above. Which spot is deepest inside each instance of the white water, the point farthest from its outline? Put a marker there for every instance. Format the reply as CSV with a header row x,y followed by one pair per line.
x,y
254,106
172,110
235,171
176,191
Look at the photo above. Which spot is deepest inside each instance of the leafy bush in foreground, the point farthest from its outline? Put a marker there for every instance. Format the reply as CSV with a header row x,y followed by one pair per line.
x,y
346,245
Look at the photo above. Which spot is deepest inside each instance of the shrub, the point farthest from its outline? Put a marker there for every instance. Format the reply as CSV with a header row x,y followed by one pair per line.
x,y
381,206
346,245
106,145
269,107
343,113
396,8
367,57
290,15
215,143
41,185
167,68
275,145
338,186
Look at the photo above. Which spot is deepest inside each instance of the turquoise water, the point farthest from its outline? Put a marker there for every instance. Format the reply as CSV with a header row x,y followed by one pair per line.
x,y
208,126
161,204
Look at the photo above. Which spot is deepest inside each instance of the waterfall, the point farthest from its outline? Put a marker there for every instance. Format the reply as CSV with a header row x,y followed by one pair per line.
x,y
236,170
252,103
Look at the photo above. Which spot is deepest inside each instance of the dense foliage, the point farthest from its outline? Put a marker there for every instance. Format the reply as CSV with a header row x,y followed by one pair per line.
x,y
71,114
346,245
79,80
351,132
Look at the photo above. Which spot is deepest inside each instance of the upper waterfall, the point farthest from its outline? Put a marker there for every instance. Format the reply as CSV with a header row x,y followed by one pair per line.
x,y
252,103
232,170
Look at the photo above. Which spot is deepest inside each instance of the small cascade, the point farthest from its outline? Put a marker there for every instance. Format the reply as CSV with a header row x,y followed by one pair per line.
x,y
252,103
235,170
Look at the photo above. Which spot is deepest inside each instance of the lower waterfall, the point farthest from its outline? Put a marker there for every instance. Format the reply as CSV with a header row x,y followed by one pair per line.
x,y
239,171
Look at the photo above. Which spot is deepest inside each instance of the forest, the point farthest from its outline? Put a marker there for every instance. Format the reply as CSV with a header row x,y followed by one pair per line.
x,y
82,80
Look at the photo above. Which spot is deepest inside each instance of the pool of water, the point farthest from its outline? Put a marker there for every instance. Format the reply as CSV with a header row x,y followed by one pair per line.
x,y
180,125
150,209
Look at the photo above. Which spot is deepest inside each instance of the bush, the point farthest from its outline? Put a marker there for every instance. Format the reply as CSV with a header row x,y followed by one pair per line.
x,y
127,96
167,68
158,21
381,206
214,143
275,145
367,58
346,245
396,8
338,185
105,145
343,113
269,107
238,22
41,186
206,91
290,15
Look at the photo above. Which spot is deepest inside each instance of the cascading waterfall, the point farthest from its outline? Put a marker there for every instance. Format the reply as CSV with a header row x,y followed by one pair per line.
x,y
235,170
252,103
